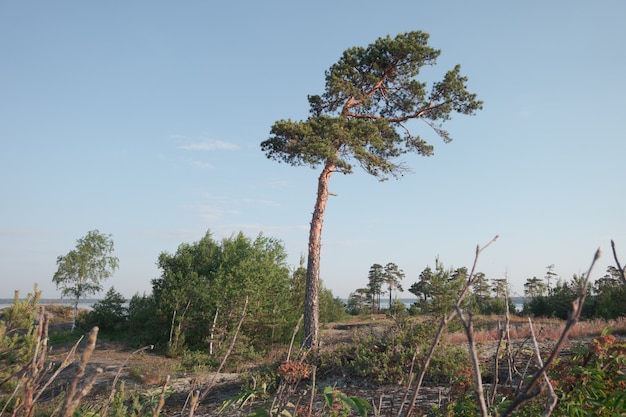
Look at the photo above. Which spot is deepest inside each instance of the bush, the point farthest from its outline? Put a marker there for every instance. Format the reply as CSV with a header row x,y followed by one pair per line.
x,y
593,381
143,328
18,333
109,314
387,359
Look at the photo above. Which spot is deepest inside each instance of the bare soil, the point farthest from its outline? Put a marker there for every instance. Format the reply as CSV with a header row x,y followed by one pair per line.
x,y
145,372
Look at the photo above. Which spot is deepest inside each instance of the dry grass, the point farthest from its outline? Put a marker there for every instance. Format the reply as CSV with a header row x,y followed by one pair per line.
x,y
546,330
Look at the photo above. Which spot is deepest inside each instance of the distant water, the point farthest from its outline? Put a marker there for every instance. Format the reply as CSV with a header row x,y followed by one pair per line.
x,y
86,303
384,303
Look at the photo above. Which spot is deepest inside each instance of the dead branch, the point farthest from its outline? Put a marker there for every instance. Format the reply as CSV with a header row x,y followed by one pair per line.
x,y
496,364
195,404
553,398
469,331
293,336
619,267
117,376
159,407
73,396
444,321
533,388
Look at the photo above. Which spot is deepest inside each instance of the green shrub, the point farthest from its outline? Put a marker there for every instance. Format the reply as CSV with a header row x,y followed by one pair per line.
x,y
18,333
387,359
109,314
593,382
196,361
143,327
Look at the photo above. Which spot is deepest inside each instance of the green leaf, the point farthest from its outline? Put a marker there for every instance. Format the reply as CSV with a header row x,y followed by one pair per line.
x,y
362,406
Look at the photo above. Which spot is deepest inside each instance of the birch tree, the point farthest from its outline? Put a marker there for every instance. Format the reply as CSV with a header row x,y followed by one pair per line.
x,y
82,271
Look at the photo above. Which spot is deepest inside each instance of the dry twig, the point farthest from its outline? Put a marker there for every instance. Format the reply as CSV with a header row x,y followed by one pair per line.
x,y
469,331
197,401
74,397
553,398
619,267
444,321
533,388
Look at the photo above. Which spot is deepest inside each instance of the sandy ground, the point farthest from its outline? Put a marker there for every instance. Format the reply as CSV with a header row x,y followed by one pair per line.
x,y
145,371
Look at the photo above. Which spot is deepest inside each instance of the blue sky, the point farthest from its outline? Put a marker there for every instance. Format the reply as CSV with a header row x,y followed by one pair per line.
x,y
143,120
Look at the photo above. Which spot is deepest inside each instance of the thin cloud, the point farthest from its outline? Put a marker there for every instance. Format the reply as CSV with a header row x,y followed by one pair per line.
x,y
209,145
211,212
202,164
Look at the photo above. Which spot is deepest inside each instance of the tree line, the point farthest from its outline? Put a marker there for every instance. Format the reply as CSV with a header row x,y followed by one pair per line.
x,y
437,288
606,298
195,302
436,291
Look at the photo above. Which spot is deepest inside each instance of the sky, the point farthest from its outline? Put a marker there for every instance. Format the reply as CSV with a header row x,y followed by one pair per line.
x,y
144,120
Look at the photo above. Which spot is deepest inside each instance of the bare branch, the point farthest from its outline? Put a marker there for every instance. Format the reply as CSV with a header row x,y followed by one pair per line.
x,y
553,398
159,407
228,352
469,331
619,267
73,397
533,387
293,336
444,321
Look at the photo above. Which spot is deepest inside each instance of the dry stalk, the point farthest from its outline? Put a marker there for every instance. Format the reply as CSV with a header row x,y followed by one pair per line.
x,y
29,387
161,403
195,404
293,335
74,397
553,398
496,363
442,326
533,388
507,329
619,267
469,331
312,390
117,377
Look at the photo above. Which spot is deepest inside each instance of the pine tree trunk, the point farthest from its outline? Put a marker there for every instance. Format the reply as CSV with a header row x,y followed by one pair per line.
x,y
311,297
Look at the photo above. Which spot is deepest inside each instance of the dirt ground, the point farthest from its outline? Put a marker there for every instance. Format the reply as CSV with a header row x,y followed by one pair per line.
x,y
145,371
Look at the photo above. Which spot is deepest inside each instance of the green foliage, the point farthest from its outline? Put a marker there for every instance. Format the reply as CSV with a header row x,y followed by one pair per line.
x,y
590,383
450,365
202,288
375,279
359,302
337,404
332,309
398,311
609,296
142,324
18,336
196,361
605,300
109,314
83,269
593,382
386,358
437,291
379,277
125,403
392,277
535,287
362,117
370,93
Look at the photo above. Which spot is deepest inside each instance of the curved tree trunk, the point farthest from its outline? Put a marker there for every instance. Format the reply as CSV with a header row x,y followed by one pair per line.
x,y
311,297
